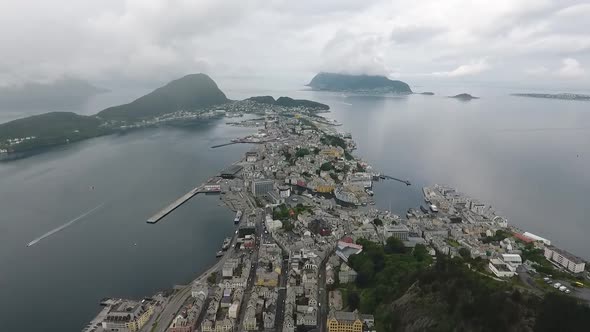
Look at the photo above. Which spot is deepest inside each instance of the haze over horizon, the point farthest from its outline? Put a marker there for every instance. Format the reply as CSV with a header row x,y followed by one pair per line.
x,y
527,43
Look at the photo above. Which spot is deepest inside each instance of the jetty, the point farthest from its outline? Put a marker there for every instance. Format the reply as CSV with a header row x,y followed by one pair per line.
x,y
406,182
165,211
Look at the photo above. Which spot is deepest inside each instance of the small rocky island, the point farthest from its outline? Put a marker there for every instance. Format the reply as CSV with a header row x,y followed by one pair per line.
x,y
464,96
427,93
358,84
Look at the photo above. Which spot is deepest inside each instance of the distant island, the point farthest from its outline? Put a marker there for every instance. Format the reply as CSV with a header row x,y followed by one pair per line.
x,y
66,93
191,97
427,93
358,84
464,96
563,96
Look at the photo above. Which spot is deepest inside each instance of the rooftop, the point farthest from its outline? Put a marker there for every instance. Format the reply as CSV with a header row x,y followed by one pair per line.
x,y
566,254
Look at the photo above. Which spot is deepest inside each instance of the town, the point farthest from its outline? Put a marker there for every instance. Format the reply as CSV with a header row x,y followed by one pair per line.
x,y
304,208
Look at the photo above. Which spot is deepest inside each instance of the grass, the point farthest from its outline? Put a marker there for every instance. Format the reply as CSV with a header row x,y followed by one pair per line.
x,y
453,243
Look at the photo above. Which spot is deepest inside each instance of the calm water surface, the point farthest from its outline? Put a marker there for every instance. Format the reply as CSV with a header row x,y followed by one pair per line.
x,y
529,158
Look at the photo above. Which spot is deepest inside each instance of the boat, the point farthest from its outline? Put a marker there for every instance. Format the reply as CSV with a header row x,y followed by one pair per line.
x,y
370,192
238,217
433,208
425,210
226,243
219,253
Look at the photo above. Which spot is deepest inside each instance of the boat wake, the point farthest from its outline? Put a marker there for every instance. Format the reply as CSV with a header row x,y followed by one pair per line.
x,y
62,227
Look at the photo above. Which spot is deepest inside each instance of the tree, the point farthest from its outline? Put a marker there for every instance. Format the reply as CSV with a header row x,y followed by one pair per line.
x,y
464,252
353,300
377,222
420,253
326,166
395,246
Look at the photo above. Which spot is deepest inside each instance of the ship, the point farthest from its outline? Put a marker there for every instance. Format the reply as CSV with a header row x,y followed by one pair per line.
x,y
238,217
219,254
226,243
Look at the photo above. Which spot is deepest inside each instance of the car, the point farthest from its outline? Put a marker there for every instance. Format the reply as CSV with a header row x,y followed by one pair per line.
x,y
546,278
549,281
562,288
556,285
567,291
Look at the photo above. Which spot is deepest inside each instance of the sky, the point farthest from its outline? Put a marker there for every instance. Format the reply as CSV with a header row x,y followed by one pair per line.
x,y
524,42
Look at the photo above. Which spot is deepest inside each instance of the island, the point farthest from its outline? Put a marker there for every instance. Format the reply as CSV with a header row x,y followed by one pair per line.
x,y
427,93
62,94
562,96
358,84
192,97
464,96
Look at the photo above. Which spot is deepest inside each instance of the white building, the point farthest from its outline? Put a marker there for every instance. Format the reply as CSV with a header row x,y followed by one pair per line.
x,y
537,238
233,310
501,269
512,259
572,263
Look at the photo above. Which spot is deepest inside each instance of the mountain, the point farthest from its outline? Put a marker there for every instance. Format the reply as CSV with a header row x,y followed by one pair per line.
x,y
187,93
66,93
464,96
289,102
357,83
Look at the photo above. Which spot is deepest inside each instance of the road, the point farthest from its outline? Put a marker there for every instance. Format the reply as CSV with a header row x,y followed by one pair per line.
x,y
177,300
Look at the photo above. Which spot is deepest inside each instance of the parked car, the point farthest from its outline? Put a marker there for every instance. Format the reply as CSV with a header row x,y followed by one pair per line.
x,y
556,285
562,288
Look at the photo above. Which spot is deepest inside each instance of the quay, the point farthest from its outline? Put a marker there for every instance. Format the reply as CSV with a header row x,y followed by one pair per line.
x,y
205,188
224,144
406,182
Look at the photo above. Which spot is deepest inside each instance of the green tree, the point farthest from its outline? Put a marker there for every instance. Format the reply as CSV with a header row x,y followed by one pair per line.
x,y
353,299
395,246
377,222
421,253
326,166
464,252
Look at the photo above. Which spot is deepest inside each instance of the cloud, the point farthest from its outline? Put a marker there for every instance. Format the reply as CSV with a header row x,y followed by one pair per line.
x,y
473,68
157,40
571,68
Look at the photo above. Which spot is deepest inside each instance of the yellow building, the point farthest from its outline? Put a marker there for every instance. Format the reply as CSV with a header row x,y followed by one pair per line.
x,y
343,321
127,316
335,152
324,189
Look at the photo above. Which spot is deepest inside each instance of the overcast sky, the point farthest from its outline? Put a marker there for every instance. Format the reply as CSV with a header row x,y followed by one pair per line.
x,y
521,42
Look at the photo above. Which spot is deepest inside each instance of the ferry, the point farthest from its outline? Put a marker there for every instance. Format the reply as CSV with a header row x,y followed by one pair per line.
x,y
238,217
433,208
219,254
226,243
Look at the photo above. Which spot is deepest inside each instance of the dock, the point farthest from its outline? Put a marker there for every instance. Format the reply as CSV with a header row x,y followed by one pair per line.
x,y
165,211
406,182
224,144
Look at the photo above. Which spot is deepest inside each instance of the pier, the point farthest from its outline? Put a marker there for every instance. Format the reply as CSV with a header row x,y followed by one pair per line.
x,y
165,211
224,144
406,182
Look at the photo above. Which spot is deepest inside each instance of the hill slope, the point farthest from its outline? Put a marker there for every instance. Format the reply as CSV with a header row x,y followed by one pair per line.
x,y
187,93
358,83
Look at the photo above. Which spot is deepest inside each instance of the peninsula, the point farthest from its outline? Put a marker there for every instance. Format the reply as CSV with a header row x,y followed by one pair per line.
x,y
192,97
358,84
311,250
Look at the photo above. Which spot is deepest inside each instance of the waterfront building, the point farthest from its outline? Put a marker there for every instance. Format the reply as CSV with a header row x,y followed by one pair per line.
x,y
571,262
399,231
262,187
127,316
343,321
537,238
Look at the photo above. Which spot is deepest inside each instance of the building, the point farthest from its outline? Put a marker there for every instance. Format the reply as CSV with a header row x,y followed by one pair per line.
x,y
233,310
345,249
262,187
274,198
512,259
284,191
251,156
343,321
399,231
571,262
231,171
199,290
127,316
501,269
537,238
